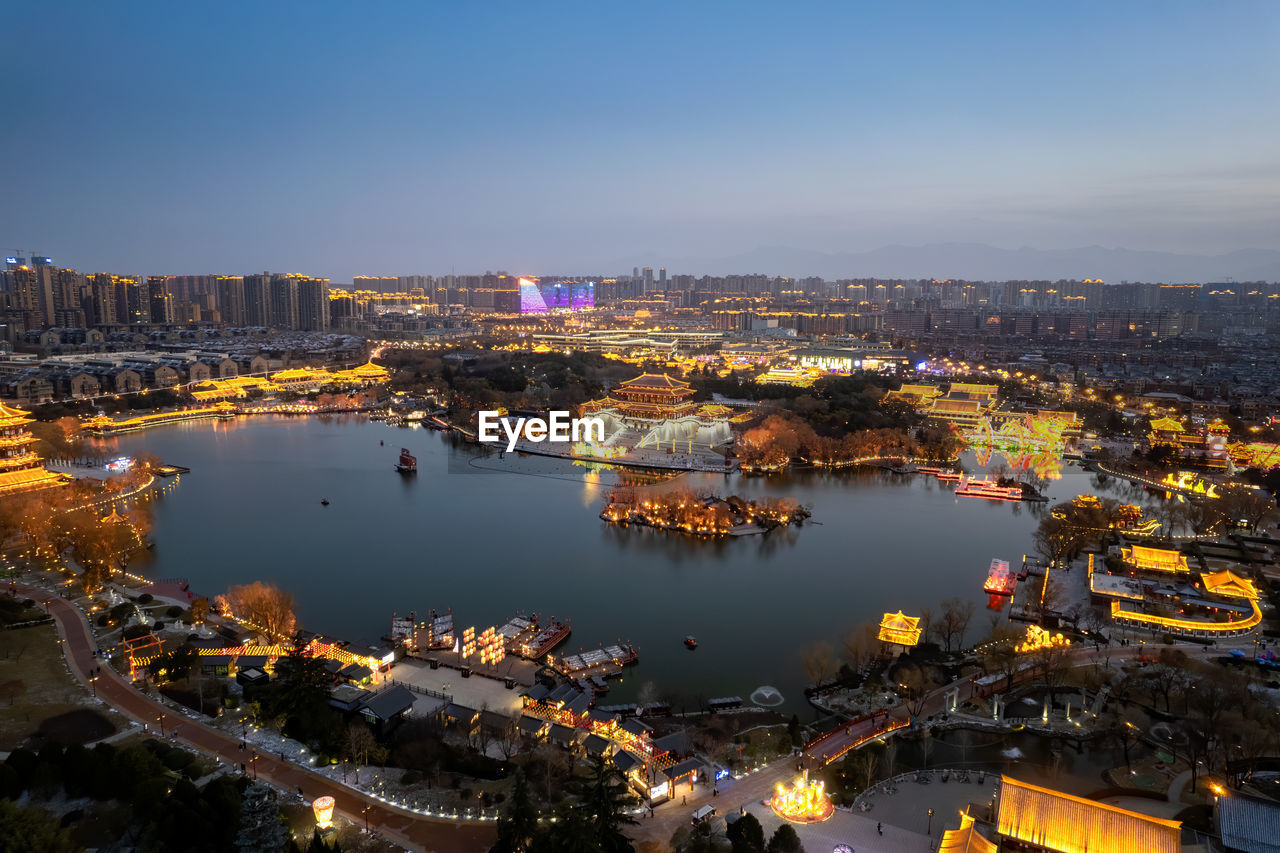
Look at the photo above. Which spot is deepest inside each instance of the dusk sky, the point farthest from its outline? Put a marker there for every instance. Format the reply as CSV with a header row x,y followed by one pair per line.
x,y
396,138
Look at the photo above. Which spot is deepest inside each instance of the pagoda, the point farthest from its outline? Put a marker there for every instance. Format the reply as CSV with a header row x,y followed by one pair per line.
x,y
656,410
648,397
20,466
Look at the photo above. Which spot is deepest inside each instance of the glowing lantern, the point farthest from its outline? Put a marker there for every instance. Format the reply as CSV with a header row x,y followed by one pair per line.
x,y
803,802
1039,638
323,808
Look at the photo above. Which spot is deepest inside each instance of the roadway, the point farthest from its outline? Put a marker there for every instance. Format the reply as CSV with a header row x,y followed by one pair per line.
x,y
414,831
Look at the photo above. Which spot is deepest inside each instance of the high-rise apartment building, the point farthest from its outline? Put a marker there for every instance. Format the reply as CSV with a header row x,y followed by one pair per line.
x,y
257,299
231,302
313,304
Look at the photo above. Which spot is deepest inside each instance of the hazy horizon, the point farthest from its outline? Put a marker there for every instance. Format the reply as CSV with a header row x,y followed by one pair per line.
x,y
411,138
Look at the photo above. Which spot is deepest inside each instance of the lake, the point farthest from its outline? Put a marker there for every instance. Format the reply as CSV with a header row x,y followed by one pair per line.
x,y
489,536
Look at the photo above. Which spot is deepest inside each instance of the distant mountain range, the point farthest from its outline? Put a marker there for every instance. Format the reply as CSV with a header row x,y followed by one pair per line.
x,y
977,261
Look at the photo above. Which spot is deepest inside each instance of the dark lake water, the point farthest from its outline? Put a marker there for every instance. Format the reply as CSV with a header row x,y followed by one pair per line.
x,y
489,537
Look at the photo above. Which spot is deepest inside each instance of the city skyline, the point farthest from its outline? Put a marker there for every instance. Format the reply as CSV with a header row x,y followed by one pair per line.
x,y
428,139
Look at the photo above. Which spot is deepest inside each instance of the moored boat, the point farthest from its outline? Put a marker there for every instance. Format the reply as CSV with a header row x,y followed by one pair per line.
x,y
408,463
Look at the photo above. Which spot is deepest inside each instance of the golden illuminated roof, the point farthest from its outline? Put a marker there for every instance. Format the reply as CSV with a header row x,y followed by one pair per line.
x,y
1065,824
11,416
973,390
1166,425
654,380
965,839
114,518
918,391
29,478
1227,582
1155,559
900,629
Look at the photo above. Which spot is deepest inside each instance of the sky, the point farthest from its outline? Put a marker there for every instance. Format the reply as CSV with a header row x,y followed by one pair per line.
x,y
385,138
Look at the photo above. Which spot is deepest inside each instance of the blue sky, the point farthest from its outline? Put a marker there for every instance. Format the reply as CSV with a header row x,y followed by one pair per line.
x,y
394,138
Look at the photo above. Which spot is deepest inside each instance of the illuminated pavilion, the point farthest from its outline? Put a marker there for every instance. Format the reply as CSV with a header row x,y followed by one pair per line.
x,y
20,467
661,409
900,629
966,839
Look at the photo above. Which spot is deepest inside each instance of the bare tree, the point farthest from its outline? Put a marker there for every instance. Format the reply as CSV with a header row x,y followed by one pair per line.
x,y
263,605
953,622
860,646
819,662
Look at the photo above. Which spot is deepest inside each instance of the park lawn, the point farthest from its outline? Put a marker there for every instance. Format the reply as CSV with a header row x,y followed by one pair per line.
x,y
36,688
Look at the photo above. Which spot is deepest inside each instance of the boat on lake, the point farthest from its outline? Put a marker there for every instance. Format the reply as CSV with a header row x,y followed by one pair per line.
x,y
408,463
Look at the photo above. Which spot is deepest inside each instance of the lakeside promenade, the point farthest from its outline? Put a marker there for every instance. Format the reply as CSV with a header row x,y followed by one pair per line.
x,y
414,831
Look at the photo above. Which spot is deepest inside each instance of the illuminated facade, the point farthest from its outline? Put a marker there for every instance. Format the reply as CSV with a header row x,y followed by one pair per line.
x,y
965,839
899,629
1154,559
1042,819
964,405
20,467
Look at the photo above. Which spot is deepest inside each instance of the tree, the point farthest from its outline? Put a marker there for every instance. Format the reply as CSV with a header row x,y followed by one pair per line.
x,y
24,830
199,610
261,829
953,622
361,746
263,605
519,822
860,646
606,799
785,840
746,835
819,662
915,683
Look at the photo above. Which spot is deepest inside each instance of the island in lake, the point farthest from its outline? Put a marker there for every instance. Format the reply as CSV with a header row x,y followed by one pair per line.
x,y
701,514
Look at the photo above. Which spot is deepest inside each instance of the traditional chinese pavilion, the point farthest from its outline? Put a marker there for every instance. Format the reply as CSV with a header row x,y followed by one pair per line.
x,y
662,410
900,629
20,466
650,396
1155,559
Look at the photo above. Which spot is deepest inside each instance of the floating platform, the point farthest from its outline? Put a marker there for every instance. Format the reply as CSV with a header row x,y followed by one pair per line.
x,y
171,470
1000,579
604,662
544,641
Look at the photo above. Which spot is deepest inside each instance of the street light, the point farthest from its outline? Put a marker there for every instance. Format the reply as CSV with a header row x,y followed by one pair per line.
x,y
931,821
365,811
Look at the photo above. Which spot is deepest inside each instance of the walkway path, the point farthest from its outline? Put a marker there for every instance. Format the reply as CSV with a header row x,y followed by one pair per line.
x,y
414,831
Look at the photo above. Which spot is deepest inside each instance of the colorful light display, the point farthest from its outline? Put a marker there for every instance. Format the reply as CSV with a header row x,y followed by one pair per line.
x,y
323,809
1186,481
468,643
492,648
1038,638
804,802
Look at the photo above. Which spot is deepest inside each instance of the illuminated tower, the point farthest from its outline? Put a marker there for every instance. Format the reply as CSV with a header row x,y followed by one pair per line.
x,y
20,467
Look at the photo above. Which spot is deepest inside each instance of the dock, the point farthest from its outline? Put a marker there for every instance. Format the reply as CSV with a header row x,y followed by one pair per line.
x,y
604,662
171,470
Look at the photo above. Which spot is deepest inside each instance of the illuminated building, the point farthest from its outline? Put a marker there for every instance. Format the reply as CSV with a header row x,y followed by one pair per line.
x,y
1042,819
787,376
965,404
805,801
965,839
1257,454
900,629
1154,559
916,395
656,410
1228,583
20,466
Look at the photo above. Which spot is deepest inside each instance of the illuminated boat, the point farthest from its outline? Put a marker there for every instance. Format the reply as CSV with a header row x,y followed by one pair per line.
x,y
988,489
950,476
1000,580
408,463
691,641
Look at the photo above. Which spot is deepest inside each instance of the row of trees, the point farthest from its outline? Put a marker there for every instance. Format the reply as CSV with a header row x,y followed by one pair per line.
x,y
593,819
782,438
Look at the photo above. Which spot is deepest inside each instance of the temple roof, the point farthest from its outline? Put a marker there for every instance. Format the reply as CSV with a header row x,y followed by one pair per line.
x,y
1166,425
1227,582
654,380
1066,824
965,839
12,416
